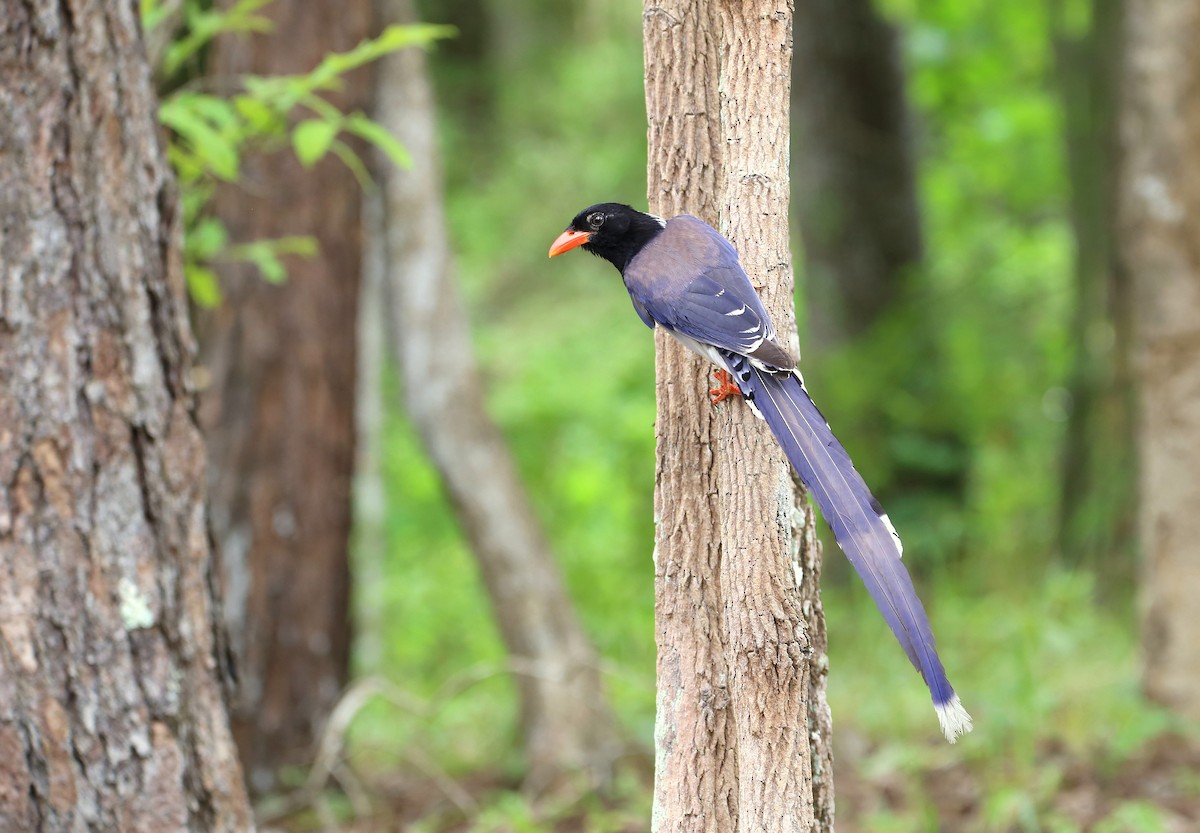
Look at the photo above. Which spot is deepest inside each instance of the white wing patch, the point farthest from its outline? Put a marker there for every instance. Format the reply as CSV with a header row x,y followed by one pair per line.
x,y
888,523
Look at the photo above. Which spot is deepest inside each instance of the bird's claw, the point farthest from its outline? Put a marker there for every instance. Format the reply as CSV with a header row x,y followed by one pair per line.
x,y
725,388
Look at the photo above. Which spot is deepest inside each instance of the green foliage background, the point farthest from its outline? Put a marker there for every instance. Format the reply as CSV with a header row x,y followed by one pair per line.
x,y
963,384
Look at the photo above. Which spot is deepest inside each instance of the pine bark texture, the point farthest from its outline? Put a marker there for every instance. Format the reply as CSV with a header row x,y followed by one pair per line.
x,y
110,699
566,722
1160,245
855,179
738,622
278,411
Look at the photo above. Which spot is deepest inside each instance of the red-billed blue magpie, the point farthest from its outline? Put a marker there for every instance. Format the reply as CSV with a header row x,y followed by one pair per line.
x,y
685,277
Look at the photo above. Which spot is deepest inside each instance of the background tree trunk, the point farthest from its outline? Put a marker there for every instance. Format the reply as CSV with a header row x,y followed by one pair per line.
x,y
565,719
856,188
279,411
736,670
1160,230
1098,508
855,181
110,703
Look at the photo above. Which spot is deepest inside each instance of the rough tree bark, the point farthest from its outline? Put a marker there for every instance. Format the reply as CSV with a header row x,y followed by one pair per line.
x,y
110,700
1159,200
565,719
742,733
279,410
855,178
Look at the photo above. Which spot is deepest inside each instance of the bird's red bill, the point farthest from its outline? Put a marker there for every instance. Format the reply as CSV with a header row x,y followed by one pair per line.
x,y
568,240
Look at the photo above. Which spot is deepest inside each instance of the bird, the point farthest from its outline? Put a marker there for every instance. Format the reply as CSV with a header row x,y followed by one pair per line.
x,y
685,277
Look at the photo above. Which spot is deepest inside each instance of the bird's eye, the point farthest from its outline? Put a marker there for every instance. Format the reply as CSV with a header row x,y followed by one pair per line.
x,y
595,219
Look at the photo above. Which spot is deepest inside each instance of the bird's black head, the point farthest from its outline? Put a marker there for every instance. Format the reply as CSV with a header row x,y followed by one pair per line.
x,y
609,230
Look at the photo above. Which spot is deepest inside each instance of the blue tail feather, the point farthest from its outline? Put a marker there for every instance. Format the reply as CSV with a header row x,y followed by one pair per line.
x,y
859,524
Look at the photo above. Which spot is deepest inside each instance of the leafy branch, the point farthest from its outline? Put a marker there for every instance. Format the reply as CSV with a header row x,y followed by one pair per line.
x,y
210,134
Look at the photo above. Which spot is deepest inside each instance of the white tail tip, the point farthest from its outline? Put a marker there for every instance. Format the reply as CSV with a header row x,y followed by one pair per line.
x,y
954,719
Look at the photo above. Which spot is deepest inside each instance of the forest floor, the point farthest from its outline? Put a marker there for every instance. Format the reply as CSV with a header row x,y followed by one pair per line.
x,y
1154,790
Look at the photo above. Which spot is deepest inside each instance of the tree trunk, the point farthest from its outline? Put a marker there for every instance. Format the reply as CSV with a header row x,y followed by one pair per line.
x,y
279,412
855,178
742,731
370,410
1097,508
110,699
565,719
1160,230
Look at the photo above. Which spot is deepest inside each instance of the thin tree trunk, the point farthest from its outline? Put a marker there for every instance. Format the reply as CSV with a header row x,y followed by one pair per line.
x,y
110,699
736,744
855,178
565,719
370,488
1160,245
1097,510
279,412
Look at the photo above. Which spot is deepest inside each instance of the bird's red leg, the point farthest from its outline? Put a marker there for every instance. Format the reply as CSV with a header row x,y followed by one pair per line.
x,y
725,389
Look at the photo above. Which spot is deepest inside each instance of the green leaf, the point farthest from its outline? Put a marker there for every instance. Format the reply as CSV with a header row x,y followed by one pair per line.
x,y
260,88
207,239
350,160
188,169
312,139
302,245
377,134
202,285
219,112
273,270
203,25
216,150
321,107
257,116
265,254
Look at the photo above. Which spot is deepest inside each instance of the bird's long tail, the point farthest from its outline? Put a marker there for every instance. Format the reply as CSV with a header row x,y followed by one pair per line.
x,y
859,524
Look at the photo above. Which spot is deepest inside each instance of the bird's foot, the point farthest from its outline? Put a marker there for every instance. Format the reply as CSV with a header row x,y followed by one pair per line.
x,y
725,387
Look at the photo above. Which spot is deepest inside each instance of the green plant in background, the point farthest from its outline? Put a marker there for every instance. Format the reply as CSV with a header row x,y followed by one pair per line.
x,y
211,133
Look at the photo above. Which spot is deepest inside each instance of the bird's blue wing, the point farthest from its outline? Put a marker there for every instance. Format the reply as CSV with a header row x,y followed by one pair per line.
x,y
642,312
721,308
689,280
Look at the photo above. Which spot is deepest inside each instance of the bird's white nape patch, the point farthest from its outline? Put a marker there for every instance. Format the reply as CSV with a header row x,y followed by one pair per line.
x,y
953,718
658,220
